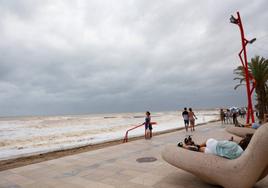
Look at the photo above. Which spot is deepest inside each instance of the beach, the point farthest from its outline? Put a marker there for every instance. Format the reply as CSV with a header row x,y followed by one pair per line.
x,y
26,136
117,165
26,140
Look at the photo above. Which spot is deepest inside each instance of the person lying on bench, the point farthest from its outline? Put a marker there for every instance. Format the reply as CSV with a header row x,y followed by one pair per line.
x,y
224,148
250,125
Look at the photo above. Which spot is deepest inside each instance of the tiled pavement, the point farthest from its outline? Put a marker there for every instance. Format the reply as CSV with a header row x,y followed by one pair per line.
x,y
116,166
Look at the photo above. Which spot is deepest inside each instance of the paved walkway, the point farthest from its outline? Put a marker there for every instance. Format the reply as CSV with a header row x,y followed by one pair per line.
x,y
116,166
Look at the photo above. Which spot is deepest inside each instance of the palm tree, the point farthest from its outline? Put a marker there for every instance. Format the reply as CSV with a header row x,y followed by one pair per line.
x,y
258,68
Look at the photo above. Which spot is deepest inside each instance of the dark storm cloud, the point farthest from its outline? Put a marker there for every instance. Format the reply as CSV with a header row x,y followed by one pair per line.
x,y
60,57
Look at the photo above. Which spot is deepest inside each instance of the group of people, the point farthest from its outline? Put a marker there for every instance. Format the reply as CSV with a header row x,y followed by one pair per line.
x,y
189,118
228,116
224,148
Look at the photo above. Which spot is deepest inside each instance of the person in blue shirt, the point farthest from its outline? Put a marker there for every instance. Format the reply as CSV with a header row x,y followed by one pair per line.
x,y
148,126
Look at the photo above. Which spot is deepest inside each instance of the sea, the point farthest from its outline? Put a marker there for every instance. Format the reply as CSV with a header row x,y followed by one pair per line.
x,y
26,136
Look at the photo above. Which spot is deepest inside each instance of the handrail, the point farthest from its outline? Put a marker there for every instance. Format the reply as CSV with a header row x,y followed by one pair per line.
x,y
126,135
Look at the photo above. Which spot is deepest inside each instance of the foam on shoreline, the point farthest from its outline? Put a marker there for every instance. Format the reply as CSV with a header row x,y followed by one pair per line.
x,y
39,157
33,136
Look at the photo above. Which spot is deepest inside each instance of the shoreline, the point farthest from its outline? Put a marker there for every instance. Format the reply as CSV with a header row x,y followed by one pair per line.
x,y
37,158
11,117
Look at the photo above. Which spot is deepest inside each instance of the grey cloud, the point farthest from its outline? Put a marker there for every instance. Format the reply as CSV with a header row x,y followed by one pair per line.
x,y
74,57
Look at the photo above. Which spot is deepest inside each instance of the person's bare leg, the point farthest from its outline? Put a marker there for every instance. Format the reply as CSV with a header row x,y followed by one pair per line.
x,y
146,134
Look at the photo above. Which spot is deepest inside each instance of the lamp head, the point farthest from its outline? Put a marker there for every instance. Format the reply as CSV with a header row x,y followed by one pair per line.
x,y
233,20
252,40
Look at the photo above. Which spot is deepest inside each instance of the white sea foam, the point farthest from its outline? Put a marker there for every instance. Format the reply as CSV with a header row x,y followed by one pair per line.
x,y
33,135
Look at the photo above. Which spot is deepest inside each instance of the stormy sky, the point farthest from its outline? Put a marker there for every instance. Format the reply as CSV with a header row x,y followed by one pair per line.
x,y
102,56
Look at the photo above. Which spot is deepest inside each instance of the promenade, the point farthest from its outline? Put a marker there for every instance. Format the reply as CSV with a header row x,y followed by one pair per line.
x,y
137,164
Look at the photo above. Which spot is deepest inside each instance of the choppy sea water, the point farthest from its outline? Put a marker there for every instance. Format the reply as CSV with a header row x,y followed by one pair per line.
x,y
26,136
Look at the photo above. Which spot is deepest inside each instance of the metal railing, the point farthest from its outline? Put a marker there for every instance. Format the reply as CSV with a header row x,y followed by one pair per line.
x,y
126,135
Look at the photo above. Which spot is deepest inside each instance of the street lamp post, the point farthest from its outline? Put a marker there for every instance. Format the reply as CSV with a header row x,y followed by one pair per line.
x,y
248,76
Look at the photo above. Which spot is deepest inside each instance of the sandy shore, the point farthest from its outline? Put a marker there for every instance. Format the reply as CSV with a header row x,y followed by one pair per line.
x,y
18,162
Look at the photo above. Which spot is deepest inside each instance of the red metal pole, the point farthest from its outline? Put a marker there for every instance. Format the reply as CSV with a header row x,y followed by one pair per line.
x,y
250,113
241,58
126,135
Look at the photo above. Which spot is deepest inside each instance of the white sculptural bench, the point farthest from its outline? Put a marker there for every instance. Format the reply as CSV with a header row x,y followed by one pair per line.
x,y
240,131
244,171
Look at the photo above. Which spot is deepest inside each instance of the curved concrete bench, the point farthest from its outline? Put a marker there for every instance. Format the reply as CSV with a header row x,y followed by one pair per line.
x,y
244,171
240,131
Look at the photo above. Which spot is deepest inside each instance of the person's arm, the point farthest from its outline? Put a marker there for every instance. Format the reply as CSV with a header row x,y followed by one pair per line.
x,y
183,145
188,147
195,116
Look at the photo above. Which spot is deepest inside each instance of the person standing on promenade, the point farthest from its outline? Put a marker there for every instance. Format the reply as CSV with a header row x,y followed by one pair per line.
x,y
235,118
222,116
228,116
148,126
192,119
185,115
